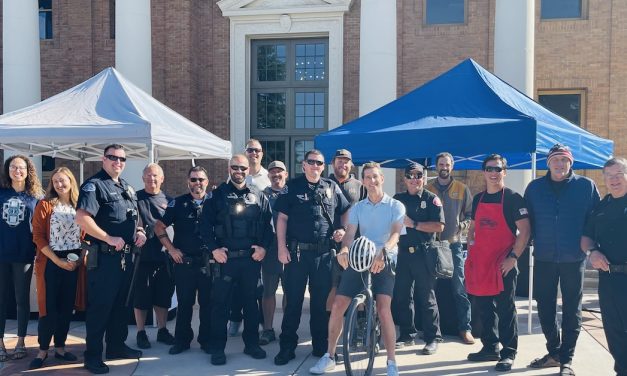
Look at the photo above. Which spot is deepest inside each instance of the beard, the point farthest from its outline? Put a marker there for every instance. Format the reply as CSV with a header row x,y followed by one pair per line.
x,y
444,174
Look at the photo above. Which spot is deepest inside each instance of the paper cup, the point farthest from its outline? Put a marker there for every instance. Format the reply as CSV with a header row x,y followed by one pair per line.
x,y
72,257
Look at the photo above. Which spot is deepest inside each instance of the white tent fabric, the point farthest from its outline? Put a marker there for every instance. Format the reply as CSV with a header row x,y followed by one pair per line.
x,y
78,123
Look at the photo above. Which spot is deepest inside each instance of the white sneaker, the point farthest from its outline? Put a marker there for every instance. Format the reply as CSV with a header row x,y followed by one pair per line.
x,y
324,364
392,368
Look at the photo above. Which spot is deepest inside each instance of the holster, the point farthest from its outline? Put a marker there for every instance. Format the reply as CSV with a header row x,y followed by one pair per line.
x,y
92,254
207,262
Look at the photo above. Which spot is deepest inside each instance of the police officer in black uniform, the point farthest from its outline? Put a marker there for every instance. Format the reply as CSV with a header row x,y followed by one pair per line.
x,y
154,282
425,217
190,273
605,242
107,212
310,217
236,228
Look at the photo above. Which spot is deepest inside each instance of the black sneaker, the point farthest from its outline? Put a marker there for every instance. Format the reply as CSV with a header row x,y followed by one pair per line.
x,y
178,348
218,359
124,352
96,367
142,340
164,336
504,365
266,337
404,340
255,352
284,356
484,356
430,348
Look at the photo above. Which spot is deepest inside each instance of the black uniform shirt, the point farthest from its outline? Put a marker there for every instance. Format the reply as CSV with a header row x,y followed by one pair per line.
x,y
514,206
306,222
151,208
236,219
352,189
607,226
425,207
184,213
113,205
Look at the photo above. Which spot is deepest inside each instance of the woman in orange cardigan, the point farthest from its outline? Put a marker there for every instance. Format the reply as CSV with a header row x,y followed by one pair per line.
x,y
56,235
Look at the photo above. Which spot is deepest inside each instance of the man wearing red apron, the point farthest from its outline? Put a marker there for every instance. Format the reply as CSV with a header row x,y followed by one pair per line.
x,y
499,232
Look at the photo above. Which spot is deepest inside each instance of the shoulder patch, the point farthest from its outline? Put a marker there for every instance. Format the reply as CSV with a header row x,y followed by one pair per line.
x,y
436,201
523,211
172,203
89,187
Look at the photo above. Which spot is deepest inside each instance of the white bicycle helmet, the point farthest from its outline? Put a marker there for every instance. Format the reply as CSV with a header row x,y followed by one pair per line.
x,y
361,254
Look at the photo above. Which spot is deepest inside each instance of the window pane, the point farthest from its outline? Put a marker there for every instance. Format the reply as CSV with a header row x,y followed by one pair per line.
x,y
45,4
444,12
567,106
271,60
273,151
300,148
310,62
552,9
310,110
271,111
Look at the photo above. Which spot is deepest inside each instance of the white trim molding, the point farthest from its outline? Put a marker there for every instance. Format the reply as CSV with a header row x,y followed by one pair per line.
x,y
265,19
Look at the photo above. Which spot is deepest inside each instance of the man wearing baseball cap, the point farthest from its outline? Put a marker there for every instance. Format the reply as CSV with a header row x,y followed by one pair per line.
x,y
559,204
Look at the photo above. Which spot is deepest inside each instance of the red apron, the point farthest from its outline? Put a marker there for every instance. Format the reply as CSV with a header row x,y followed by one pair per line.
x,y
493,242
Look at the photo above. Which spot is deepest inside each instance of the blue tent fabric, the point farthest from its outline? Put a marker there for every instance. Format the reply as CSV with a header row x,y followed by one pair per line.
x,y
470,113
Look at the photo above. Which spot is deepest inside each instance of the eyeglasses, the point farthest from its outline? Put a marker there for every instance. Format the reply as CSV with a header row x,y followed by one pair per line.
x,y
15,168
316,162
115,158
195,180
414,176
618,175
253,150
239,168
493,169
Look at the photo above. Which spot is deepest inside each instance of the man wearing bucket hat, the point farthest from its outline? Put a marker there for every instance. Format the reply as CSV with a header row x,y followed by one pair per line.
x,y
559,204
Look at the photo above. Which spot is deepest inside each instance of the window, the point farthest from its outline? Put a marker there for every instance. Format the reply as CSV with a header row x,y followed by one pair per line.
x,y
445,12
45,19
289,95
112,19
569,104
558,9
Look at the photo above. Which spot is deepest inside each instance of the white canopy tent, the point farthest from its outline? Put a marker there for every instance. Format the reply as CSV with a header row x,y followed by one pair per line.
x,y
78,123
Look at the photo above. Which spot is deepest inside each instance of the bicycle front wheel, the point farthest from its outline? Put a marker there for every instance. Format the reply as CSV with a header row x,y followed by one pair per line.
x,y
359,346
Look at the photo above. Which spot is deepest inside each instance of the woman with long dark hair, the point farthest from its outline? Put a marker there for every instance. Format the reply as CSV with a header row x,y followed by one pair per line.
x,y
58,241
19,192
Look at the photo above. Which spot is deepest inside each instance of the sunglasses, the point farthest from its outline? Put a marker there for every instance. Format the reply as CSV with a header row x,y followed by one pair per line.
x,y
239,168
312,162
253,150
115,158
414,176
195,180
493,169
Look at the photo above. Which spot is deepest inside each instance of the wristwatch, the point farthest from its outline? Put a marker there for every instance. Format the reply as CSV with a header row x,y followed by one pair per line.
x,y
512,254
589,251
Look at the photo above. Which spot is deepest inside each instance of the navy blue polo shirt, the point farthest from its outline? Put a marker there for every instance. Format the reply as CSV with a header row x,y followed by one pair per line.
x,y
302,205
113,205
250,224
425,207
606,226
184,214
151,208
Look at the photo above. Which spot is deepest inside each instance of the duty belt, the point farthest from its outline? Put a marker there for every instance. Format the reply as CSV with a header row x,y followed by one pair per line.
x,y
109,249
239,253
322,247
620,268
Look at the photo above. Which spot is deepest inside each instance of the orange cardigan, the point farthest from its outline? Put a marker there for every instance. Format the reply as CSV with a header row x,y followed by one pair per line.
x,y
41,237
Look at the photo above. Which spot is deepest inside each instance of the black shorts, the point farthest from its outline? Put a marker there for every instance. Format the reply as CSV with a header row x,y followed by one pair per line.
x,y
353,282
270,283
153,286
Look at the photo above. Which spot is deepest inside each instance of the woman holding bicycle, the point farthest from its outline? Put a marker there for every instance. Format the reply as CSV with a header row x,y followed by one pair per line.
x,y
380,219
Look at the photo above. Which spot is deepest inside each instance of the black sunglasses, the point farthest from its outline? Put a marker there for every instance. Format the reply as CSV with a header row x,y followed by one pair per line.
x,y
414,176
239,168
194,180
115,158
253,150
493,169
312,162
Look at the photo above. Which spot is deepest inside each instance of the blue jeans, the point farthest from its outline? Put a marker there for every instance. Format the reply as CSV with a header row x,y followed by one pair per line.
x,y
462,304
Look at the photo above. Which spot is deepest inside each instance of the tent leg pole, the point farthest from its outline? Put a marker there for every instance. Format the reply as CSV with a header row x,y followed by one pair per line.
x,y
531,260
81,171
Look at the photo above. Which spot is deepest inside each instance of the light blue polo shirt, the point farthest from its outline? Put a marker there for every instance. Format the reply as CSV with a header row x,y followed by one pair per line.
x,y
375,220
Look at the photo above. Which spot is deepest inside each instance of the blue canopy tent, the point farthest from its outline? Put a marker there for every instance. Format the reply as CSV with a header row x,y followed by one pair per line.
x,y
470,113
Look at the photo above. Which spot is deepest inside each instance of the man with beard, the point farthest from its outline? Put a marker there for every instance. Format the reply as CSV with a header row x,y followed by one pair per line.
x,y
271,268
559,204
190,277
236,228
457,202
424,218
107,212
154,284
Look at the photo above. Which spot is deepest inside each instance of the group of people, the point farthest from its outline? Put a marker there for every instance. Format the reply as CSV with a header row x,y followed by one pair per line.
x,y
103,245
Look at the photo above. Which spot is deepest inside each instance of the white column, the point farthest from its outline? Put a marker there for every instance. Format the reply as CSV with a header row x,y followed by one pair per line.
x,y
514,31
133,58
377,63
